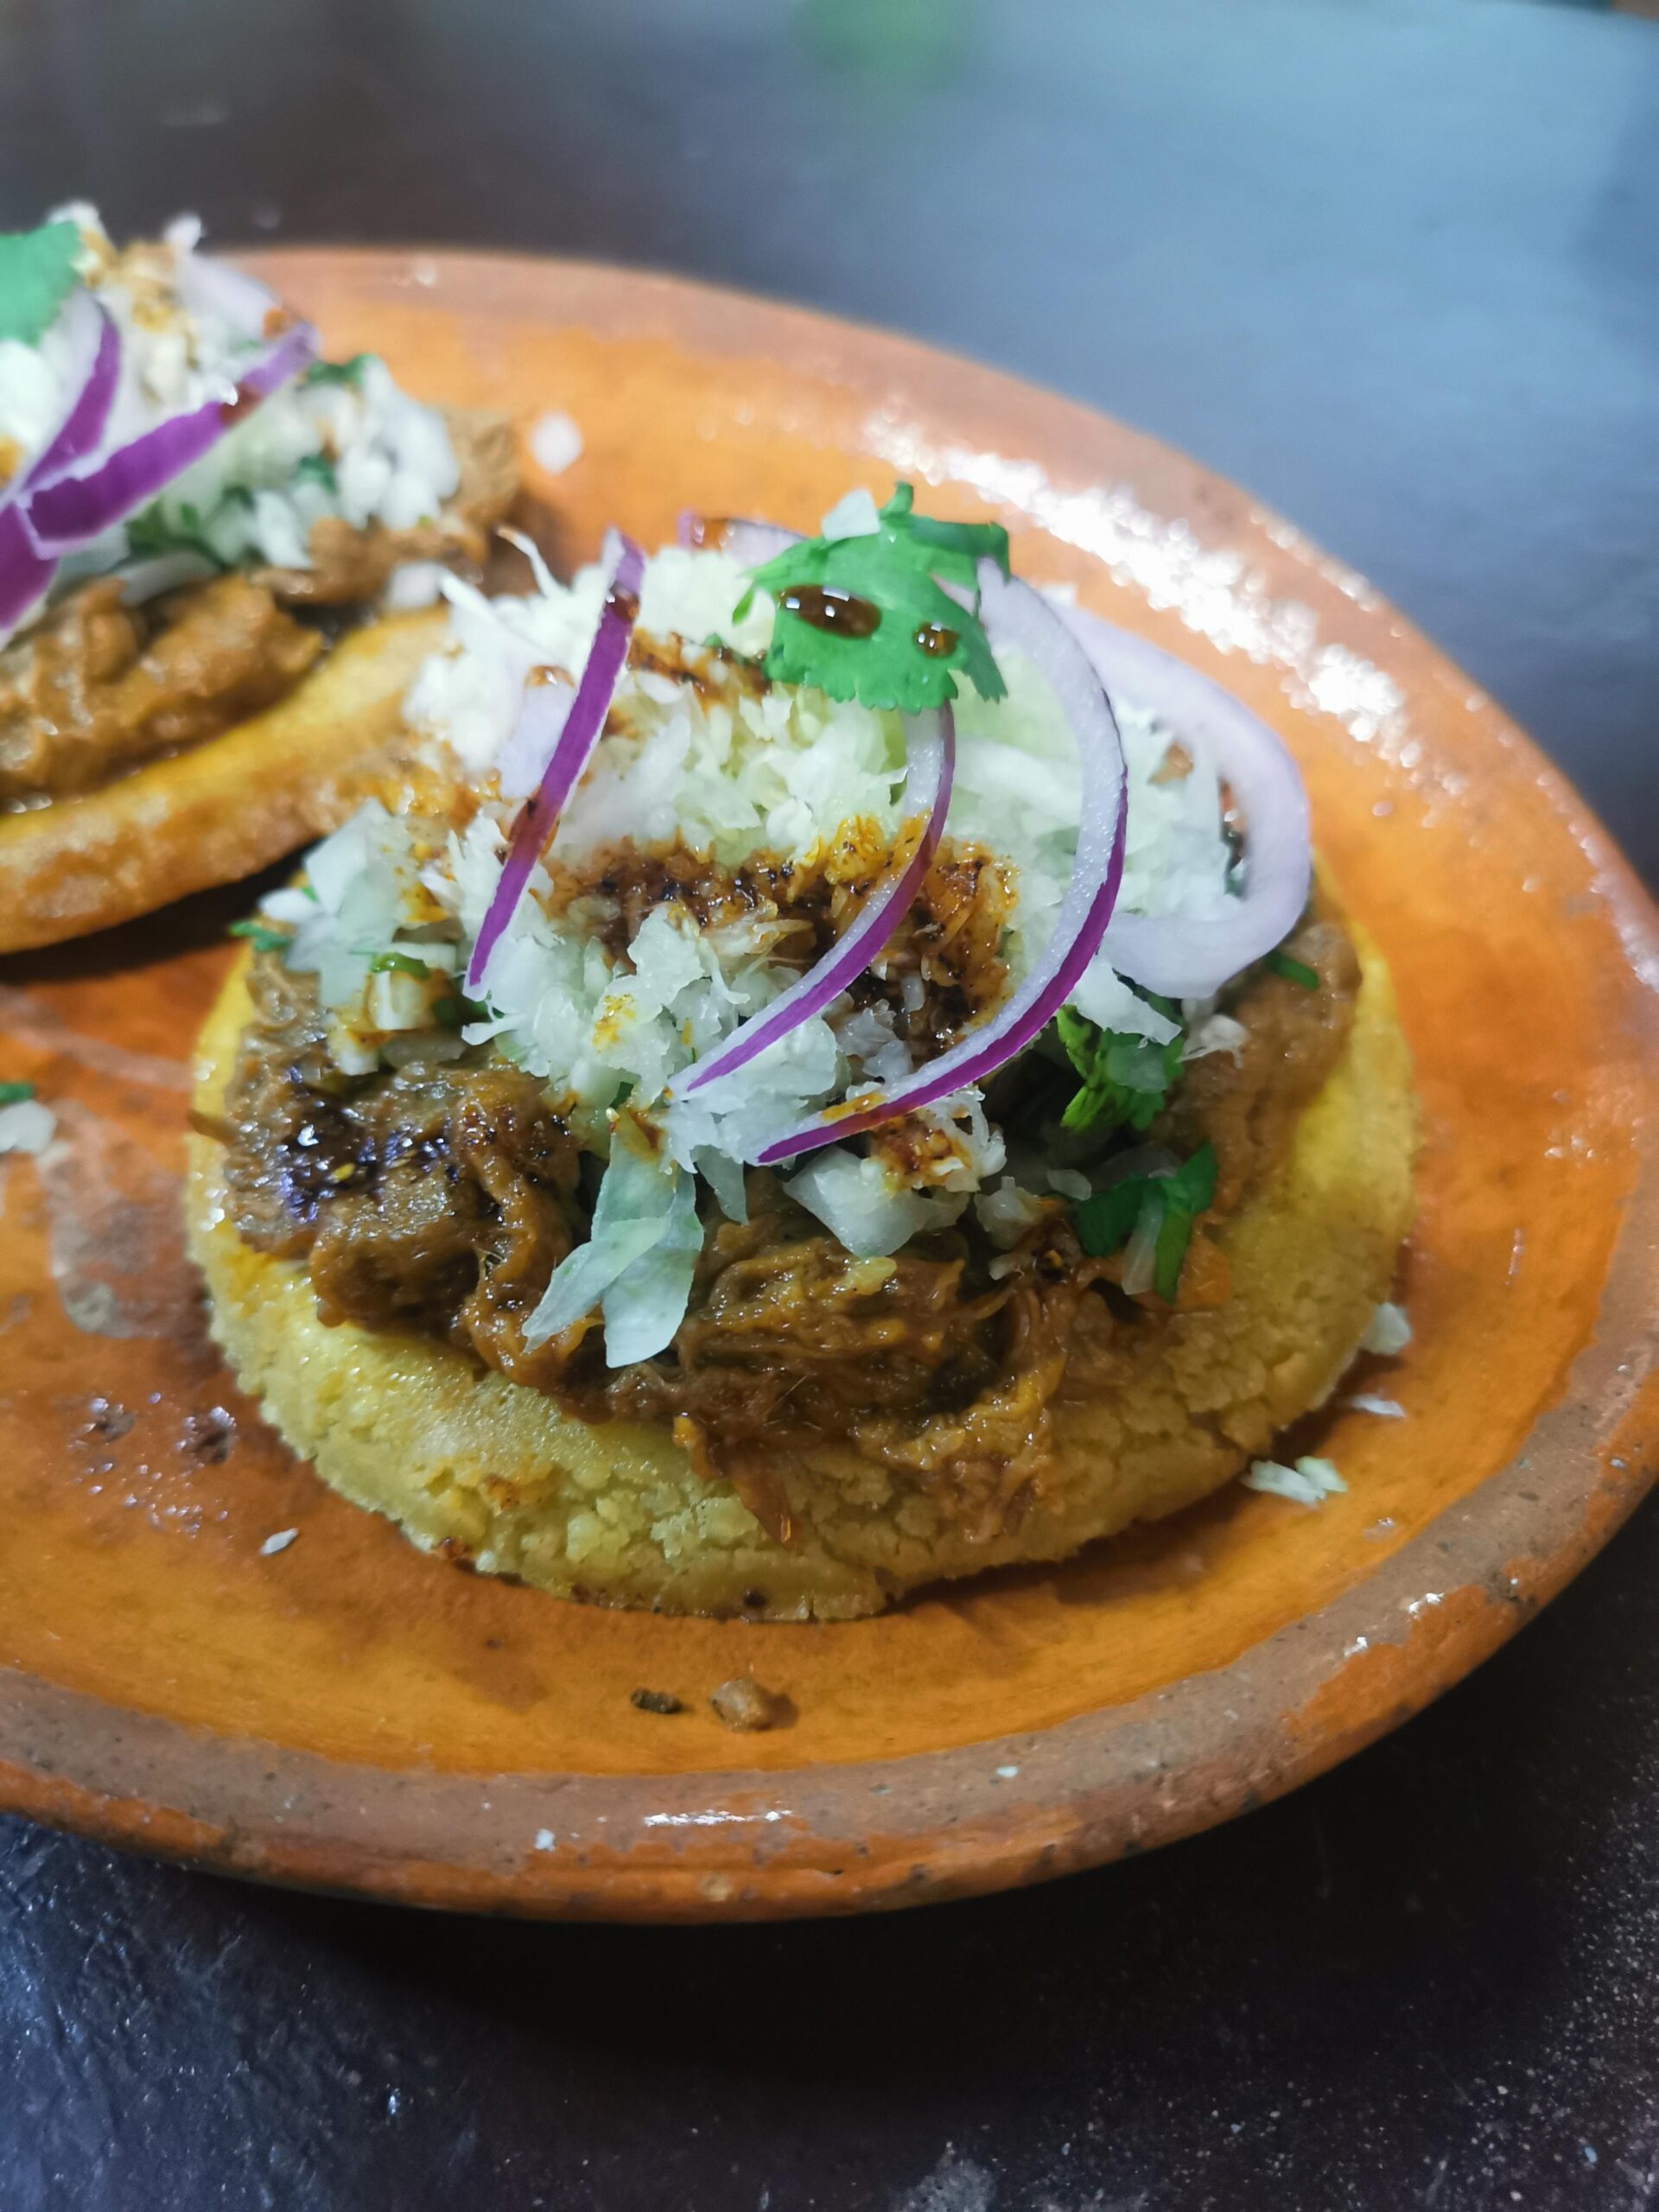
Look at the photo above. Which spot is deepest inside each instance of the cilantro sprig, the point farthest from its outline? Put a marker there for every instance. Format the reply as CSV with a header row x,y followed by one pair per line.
x,y
1293,971
1125,1079
14,1093
316,469
154,531
37,274
260,935
897,639
338,371
1160,1208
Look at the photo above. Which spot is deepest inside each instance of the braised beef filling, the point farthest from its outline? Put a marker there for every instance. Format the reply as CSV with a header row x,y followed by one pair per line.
x,y
96,688
440,1198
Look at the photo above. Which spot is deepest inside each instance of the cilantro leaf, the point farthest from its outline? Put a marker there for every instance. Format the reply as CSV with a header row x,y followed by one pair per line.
x,y
1193,1185
1106,1220
13,1094
37,274
958,547
260,935
1161,1208
866,617
1125,1079
154,531
316,469
1294,971
338,371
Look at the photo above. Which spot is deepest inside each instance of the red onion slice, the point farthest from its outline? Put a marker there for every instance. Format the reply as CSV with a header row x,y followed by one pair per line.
x,y
750,543
930,750
92,345
208,286
25,572
84,501
1017,617
94,349
535,821
1186,958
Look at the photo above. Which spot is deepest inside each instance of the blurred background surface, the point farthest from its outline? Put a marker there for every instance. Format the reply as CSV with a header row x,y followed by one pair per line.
x,y
1394,264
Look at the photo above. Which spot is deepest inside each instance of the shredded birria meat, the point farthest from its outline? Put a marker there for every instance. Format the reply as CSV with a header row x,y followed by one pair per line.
x,y
439,1197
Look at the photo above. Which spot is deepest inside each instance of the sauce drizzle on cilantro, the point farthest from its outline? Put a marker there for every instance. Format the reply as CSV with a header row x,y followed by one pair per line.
x,y
867,618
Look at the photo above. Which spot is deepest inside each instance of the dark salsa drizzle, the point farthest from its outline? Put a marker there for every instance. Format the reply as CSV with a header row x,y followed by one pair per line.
x,y
440,1198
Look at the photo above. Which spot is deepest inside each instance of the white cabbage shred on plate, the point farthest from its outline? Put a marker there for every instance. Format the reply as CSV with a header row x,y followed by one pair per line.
x,y
26,1126
732,772
1310,1481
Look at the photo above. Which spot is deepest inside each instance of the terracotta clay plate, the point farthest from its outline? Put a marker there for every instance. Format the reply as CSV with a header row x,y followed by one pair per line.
x,y
343,1711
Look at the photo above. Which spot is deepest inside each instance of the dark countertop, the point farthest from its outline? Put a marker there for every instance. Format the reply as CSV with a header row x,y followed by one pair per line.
x,y
1395,264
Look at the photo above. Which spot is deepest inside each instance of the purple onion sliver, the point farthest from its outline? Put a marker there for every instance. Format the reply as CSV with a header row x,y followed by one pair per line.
x,y
25,574
582,725
1189,957
289,352
75,508
83,426
209,286
751,543
1016,616
81,505
522,761
931,747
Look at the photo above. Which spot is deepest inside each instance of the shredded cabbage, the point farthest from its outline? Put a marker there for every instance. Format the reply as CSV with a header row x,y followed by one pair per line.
x,y
862,1207
644,1204
1387,1332
26,1126
731,770
1310,1481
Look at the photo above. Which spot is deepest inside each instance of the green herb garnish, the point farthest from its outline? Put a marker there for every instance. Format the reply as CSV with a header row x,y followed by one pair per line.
x,y
260,936
1295,971
1125,1079
450,1012
714,643
1161,1208
398,964
37,274
317,468
866,618
338,371
155,532
14,1093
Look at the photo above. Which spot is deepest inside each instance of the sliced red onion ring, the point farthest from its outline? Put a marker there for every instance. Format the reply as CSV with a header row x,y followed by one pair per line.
x,y
94,349
25,574
211,287
930,750
1186,959
582,725
1017,617
95,366
751,543
85,499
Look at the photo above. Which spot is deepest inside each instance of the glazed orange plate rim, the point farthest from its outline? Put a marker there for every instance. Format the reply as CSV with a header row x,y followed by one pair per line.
x,y
343,1711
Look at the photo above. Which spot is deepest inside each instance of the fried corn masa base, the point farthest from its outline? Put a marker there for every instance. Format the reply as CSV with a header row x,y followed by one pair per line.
x,y
495,1474
220,810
